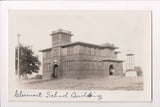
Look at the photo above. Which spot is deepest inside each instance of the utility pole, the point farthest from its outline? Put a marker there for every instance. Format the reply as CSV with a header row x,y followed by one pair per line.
x,y
18,56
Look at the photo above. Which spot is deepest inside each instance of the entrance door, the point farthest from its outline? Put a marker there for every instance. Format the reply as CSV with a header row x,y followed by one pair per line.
x,y
55,71
111,70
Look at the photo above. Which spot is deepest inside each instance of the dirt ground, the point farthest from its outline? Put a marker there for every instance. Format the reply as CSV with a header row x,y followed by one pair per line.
x,y
109,83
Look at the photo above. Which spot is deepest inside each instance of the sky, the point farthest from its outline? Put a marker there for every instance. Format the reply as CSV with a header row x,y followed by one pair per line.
x,y
129,30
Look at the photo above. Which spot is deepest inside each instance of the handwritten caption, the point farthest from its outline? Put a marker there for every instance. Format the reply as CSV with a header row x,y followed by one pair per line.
x,y
58,94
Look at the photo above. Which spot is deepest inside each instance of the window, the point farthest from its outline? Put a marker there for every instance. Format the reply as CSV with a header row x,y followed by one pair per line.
x,y
55,52
48,67
55,37
92,51
44,55
96,51
55,43
48,54
86,50
71,51
89,50
82,49
68,51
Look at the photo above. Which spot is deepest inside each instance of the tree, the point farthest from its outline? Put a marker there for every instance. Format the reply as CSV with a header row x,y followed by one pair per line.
x,y
138,69
28,61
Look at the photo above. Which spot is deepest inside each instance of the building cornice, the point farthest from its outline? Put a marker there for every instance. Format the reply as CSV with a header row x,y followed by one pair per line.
x,y
47,49
89,45
112,60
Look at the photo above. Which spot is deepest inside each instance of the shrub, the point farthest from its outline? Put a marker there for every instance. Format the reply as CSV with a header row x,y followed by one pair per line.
x,y
139,71
38,76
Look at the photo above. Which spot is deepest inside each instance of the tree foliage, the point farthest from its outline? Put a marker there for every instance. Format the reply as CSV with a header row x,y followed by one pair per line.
x,y
28,61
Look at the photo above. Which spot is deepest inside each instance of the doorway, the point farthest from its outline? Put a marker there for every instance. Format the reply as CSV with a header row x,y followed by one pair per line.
x,y
111,70
55,71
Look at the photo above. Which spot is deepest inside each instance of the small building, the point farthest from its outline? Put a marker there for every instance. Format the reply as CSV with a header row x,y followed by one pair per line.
x,y
66,59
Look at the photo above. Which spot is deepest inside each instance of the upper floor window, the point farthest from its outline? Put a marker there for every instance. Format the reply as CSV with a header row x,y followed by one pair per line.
x,y
55,37
47,54
48,67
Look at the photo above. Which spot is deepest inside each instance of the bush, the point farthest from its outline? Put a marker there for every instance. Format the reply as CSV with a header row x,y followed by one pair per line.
x,y
139,71
38,76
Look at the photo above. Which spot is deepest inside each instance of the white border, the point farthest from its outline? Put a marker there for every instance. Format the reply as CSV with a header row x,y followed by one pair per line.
x,y
89,5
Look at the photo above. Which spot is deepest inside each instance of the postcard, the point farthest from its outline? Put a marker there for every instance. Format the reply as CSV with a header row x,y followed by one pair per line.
x,y
79,55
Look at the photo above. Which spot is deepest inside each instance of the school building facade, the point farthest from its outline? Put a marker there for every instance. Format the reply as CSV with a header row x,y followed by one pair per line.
x,y
81,60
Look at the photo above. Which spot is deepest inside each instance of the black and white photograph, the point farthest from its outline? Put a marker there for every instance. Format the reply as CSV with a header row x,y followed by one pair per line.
x,y
78,54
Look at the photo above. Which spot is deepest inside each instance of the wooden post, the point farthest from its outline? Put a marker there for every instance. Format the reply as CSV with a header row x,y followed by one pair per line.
x,y
18,56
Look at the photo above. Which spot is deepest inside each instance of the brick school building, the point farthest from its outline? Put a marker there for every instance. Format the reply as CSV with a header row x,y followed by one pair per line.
x,y
81,60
